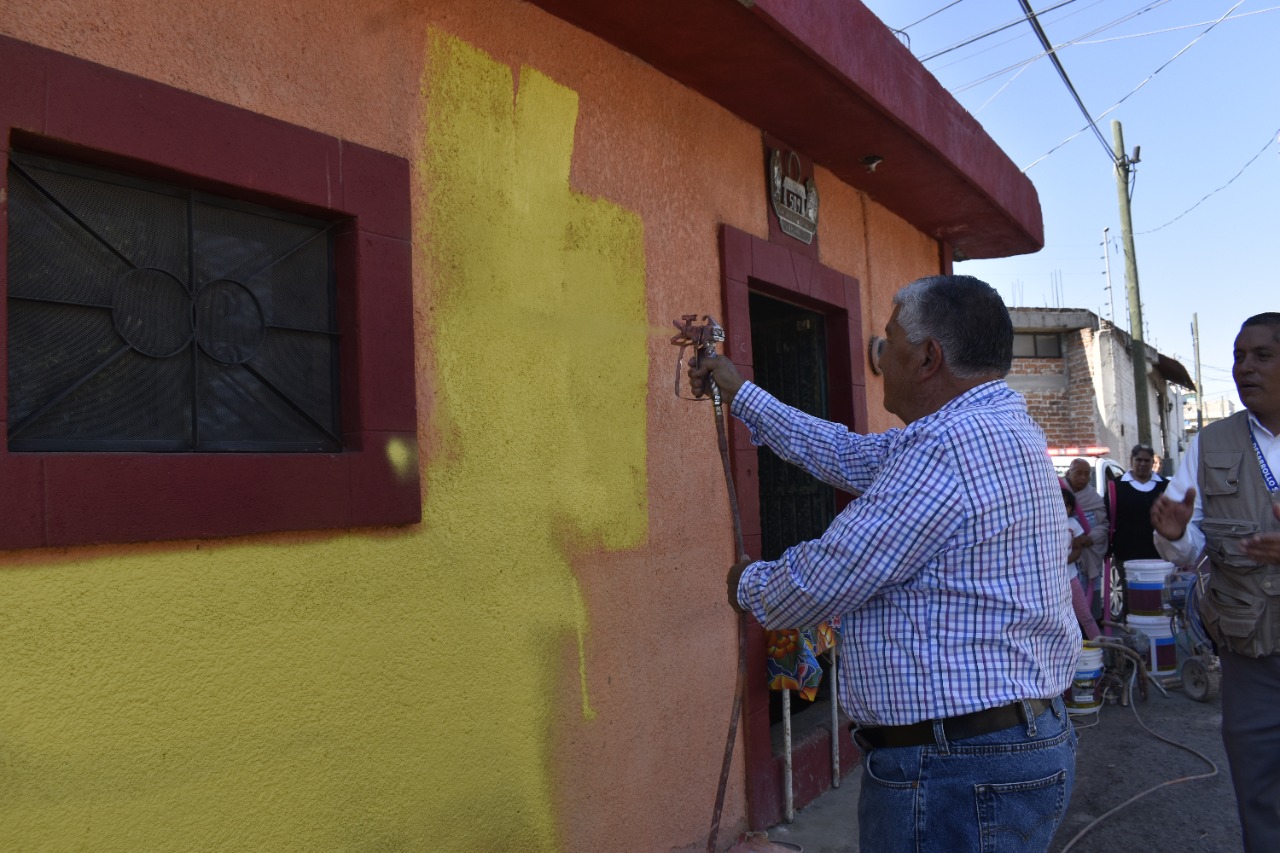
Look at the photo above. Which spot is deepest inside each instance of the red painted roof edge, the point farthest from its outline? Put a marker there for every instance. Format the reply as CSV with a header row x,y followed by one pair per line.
x,y
830,78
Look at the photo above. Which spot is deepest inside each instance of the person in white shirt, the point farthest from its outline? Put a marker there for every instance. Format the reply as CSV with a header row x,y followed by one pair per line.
x,y
1129,504
1225,502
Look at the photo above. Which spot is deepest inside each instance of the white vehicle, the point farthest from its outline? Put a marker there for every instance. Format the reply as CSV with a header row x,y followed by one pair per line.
x,y
1104,467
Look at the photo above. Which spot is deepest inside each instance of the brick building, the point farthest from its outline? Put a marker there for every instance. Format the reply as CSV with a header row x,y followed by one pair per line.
x,y
1076,371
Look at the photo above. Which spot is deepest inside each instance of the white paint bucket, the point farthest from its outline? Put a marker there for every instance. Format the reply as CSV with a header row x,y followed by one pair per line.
x,y
1162,659
1083,696
1145,579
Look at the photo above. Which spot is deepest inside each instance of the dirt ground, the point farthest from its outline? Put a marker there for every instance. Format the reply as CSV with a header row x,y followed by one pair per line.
x,y
1121,755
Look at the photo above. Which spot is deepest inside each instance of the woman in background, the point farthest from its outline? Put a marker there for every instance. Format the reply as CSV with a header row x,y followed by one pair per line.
x,y
1079,541
1129,503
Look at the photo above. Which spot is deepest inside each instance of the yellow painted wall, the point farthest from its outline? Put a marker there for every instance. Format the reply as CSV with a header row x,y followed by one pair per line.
x,y
542,425
380,692
545,663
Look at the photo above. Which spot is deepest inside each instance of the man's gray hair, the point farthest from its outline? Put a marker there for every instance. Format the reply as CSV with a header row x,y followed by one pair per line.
x,y
965,316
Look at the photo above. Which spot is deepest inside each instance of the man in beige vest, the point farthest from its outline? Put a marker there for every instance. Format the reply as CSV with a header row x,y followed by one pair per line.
x,y
1225,501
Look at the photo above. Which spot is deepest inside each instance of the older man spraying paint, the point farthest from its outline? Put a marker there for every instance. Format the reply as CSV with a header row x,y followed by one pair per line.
x,y
952,577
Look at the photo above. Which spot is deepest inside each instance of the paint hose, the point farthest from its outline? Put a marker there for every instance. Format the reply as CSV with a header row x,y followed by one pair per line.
x,y
703,340
741,683
1141,669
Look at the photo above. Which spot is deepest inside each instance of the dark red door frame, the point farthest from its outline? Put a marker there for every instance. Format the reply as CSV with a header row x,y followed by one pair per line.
x,y
793,275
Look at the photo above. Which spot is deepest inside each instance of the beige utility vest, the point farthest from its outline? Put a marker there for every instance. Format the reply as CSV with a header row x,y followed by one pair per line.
x,y
1241,609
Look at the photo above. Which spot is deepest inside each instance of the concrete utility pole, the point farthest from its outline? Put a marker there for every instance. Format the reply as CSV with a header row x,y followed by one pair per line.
x,y
1195,339
1123,167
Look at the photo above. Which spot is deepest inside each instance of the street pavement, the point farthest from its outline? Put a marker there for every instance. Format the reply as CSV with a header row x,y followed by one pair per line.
x,y
1135,787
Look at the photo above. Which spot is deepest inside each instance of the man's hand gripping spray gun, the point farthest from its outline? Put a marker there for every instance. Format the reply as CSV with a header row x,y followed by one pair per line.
x,y
703,339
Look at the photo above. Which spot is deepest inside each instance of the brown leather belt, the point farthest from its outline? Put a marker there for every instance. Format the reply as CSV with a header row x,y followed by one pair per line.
x,y
955,728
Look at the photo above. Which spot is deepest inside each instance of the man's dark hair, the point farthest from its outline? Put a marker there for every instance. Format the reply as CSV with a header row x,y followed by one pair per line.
x,y
965,316
1270,318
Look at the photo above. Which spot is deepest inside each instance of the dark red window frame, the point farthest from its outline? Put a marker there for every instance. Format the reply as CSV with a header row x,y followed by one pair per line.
x,y
792,274
57,104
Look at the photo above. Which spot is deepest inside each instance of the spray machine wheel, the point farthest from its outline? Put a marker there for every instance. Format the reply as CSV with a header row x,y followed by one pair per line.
x,y
1200,681
1117,604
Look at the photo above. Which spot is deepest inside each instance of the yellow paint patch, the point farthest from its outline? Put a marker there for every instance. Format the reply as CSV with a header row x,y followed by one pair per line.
x,y
388,691
402,457
539,332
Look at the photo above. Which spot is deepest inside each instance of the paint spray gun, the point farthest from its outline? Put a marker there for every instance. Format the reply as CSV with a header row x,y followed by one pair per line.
x,y
703,339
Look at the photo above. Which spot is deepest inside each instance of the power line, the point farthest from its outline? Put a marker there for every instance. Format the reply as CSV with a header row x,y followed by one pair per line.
x,y
1078,40
931,14
1062,72
989,32
1149,78
1175,29
1270,142
1078,11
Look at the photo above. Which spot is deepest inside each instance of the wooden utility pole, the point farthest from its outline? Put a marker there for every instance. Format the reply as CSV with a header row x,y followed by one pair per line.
x,y
1123,167
1195,340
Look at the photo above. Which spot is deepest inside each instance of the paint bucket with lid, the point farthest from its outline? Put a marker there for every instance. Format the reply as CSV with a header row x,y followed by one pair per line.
x,y
1083,696
1145,579
1162,655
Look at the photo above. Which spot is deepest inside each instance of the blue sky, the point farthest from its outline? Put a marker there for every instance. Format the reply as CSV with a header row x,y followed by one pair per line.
x,y
1204,115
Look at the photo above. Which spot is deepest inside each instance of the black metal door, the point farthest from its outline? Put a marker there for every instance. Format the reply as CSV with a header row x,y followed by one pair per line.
x,y
789,351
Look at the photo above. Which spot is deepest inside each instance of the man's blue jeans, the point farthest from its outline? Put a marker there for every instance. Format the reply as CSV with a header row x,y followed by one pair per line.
x,y
997,793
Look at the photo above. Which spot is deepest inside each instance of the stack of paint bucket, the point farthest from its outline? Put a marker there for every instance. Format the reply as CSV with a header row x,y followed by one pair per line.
x,y
1146,579
1084,696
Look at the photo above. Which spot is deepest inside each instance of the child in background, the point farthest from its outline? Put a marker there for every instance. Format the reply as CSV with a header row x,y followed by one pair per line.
x,y
1079,540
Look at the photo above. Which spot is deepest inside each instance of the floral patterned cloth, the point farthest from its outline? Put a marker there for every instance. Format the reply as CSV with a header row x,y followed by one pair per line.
x,y
792,657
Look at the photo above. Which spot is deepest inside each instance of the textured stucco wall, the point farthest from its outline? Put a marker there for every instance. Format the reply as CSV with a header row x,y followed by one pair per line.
x,y
545,662
899,254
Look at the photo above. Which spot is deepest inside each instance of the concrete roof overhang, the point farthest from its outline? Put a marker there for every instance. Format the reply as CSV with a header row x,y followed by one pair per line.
x,y
829,78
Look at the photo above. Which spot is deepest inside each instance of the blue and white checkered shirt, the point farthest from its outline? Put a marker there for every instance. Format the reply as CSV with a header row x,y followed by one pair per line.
x,y
949,571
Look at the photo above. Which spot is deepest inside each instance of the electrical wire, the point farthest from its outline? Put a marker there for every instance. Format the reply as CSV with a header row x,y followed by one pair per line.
x,y
1015,22
1270,141
1062,72
1149,78
931,14
1075,41
1175,29
1003,86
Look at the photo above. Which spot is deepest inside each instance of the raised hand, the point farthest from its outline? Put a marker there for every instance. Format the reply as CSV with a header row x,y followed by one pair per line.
x,y
1170,518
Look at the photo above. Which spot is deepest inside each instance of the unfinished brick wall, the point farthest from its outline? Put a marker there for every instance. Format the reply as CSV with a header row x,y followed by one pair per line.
x,y
1068,415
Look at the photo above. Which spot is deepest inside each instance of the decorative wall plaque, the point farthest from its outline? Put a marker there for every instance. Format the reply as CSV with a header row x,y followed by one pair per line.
x,y
796,204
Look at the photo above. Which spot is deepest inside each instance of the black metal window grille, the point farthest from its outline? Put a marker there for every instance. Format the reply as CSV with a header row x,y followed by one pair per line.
x,y
789,351
146,316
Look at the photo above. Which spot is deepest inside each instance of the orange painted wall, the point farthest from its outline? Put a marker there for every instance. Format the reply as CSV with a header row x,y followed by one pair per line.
x,y
658,649
883,252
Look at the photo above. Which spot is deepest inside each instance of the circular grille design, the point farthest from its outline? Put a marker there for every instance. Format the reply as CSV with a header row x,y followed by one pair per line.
x,y
229,322
151,310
